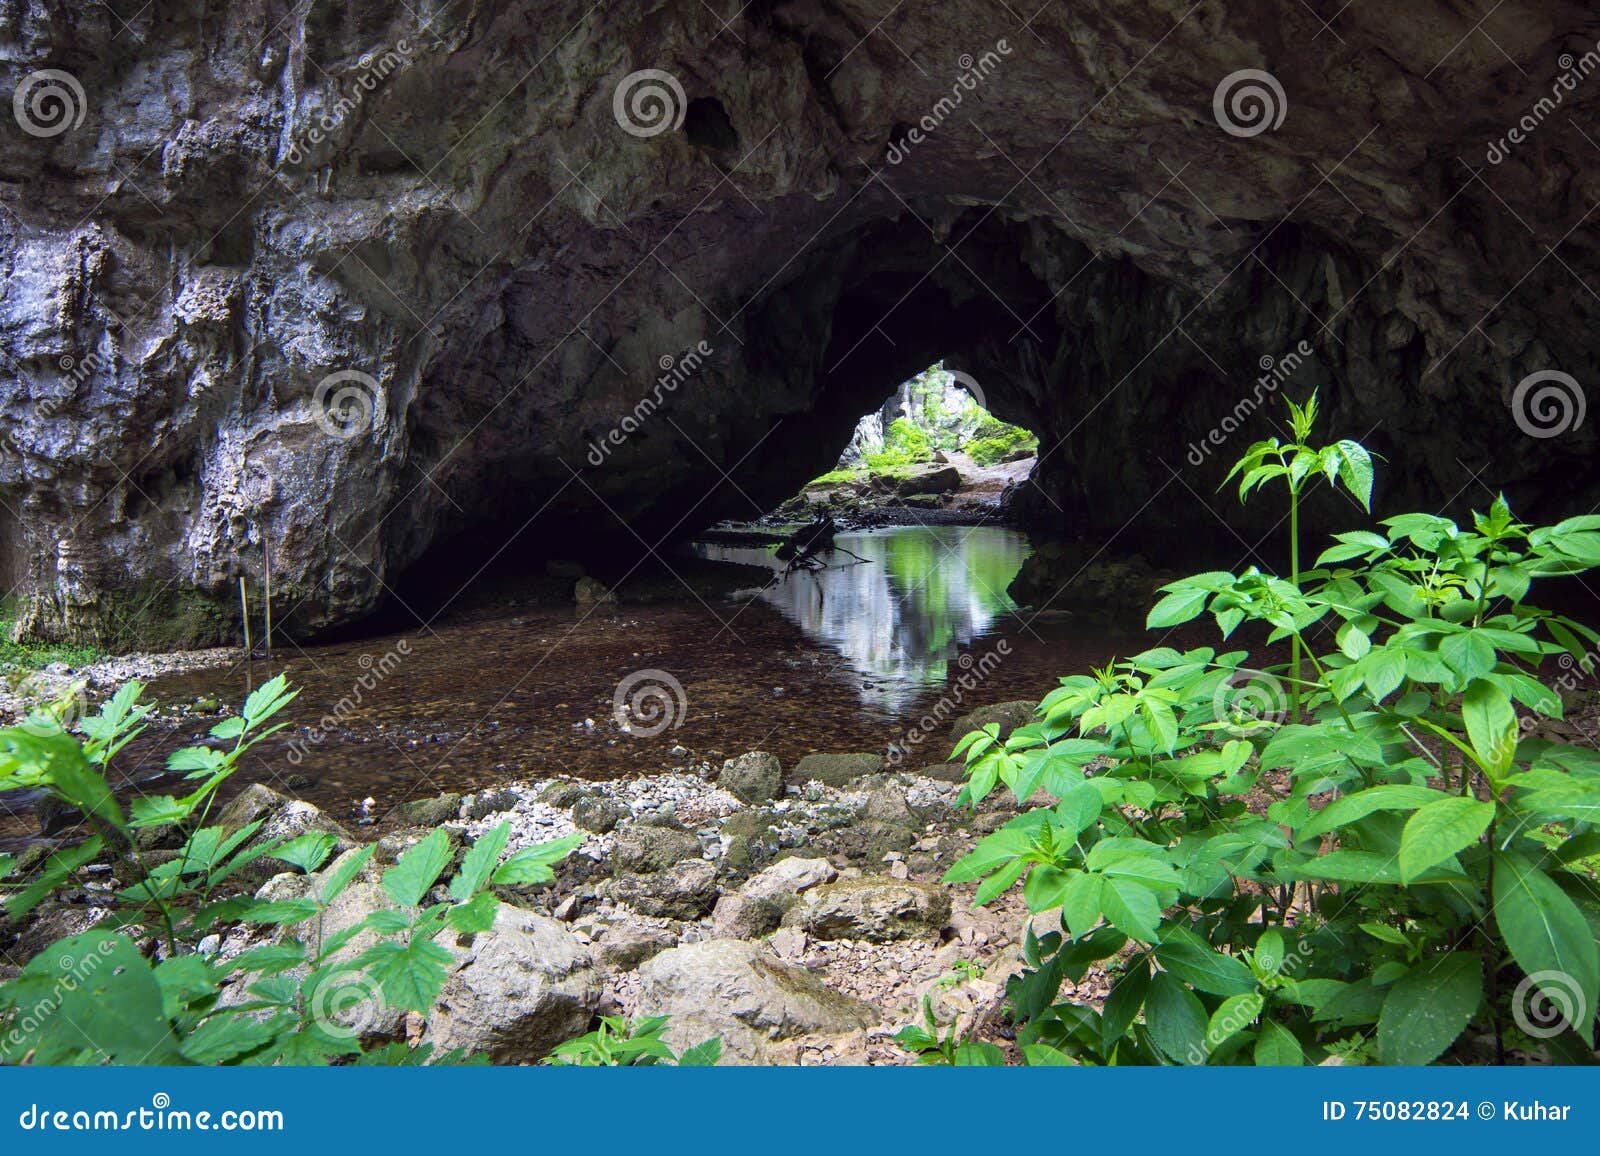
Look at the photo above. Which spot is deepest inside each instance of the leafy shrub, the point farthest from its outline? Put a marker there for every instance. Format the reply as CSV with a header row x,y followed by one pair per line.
x,y
988,451
904,443
1438,898
620,1043
306,999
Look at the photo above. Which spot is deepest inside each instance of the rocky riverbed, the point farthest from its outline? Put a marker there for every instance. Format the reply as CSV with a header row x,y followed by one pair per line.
x,y
795,912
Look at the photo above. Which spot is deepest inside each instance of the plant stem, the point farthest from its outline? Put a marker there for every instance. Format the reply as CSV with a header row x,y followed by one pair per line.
x,y
1294,577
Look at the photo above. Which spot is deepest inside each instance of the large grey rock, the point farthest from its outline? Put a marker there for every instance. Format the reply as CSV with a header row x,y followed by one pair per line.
x,y
835,770
599,814
756,777
743,994
876,909
515,991
281,818
686,890
1008,715
640,848
758,907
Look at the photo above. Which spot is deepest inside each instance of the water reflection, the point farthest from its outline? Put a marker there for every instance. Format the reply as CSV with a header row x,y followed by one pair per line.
x,y
922,596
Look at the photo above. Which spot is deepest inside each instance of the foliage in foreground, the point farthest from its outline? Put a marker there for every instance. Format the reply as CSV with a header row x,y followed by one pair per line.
x,y
306,998
623,1043
1378,864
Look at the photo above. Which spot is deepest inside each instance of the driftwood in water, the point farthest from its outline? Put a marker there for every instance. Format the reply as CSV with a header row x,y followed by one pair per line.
x,y
806,547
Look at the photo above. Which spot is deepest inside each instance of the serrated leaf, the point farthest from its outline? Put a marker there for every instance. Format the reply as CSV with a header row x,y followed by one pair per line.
x,y
417,869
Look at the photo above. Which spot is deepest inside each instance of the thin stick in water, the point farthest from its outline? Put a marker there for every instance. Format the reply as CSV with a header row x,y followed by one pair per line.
x,y
244,606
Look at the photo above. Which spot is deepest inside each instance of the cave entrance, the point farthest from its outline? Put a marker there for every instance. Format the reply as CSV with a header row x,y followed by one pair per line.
x,y
933,447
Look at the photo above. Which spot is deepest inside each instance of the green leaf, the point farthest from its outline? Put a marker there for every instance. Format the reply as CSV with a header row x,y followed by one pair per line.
x,y
1440,830
703,1055
1177,1021
475,916
1355,471
1276,1047
1351,808
1201,966
417,870
156,811
1547,934
532,864
1081,905
1469,654
479,862
1235,1014
1425,1011
267,700
1491,723
343,872
83,787
1131,908
1177,608
411,974
1269,955
306,852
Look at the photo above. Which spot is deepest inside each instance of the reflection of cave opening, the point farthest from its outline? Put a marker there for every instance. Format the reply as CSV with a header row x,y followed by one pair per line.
x,y
932,445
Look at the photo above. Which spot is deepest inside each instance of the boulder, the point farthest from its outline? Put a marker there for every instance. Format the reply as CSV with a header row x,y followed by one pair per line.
x,y
624,946
835,770
598,813
886,802
281,818
490,802
429,812
588,591
516,991
1009,715
944,480
756,777
740,993
875,909
686,890
641,849
760,905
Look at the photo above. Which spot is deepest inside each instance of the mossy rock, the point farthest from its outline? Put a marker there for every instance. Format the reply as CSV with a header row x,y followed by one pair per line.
x,y
429,812
1009,716
835,770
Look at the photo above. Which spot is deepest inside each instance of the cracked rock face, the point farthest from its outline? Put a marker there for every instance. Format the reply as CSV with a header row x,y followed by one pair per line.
x,y
339,281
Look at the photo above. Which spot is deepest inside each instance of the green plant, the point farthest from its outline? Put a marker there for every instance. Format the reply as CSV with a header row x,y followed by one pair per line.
x,y
961,971
17,657
620,1042
298,992
1370,877
949,1049
1344,463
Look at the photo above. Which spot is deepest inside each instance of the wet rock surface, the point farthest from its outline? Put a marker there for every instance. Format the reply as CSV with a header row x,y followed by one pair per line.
x,y
226,242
